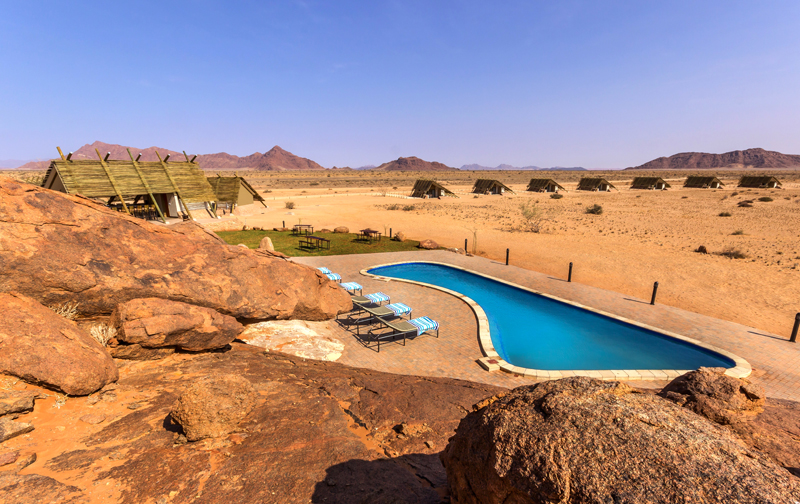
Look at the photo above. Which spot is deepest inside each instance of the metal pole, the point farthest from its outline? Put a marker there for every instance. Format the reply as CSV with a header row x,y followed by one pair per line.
x,y
655,289
793,339
284,224
569,278
506,257
390,232
465,244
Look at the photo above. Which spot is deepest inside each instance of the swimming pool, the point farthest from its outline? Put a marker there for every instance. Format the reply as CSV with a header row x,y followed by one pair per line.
x,y
534,331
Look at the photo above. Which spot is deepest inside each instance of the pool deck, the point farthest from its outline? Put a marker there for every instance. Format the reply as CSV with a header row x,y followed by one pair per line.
x,y
775,361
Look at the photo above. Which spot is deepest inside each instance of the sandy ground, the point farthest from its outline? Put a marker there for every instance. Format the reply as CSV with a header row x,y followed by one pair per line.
x,y
641,237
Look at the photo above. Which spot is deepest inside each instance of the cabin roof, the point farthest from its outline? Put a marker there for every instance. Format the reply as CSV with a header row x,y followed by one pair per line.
x,y
757,181
227,189
483,185
647,182
591,183
701,181
540,183
422,186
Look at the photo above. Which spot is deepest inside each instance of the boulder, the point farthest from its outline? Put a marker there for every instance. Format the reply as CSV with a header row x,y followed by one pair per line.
x,y
266,244
400,236
341,229
581,440
309,340
16,401
158,323
428,245
35,489
720,398
214,406
58,248
138,352
41,347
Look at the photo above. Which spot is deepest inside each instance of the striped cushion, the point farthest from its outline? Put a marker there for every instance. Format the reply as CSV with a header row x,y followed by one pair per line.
x,y
351,286
399,308
377,298
324,270
336,277
424,324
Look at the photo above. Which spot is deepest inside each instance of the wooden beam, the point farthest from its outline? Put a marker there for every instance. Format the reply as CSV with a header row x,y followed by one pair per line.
x,y
113,182
174,185
146,186
61,153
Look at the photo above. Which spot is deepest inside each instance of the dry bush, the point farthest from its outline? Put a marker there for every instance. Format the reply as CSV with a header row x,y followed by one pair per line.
x,y
394,206
556,196
733,253
738,232
102,333
289,205
724,214
68,310
532,216
409,208
594,209
765,199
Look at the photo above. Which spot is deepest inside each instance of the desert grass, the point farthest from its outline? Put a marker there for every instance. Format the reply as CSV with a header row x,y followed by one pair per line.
x,y
68,310
594,209
341,243
102,333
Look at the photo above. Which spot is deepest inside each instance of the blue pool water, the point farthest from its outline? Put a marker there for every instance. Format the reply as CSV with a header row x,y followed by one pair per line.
x,y
533,331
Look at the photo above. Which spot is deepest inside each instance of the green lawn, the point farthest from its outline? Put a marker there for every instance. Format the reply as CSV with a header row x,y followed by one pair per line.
x,y
341,243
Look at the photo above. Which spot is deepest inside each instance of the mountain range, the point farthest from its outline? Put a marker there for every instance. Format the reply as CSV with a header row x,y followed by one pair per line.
x,y
750,158
477,167
412,164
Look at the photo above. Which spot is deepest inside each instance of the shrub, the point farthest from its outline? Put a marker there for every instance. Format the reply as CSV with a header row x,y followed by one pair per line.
x,y
394,206
67,310
738,232
746,204
313,183
532,216
765,199
102,333
408,208
734,193
289,205
733,253
556,196
724,214
684,197
594,209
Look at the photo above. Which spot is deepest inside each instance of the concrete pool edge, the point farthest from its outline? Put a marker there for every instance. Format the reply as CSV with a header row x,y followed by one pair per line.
x,y
741,368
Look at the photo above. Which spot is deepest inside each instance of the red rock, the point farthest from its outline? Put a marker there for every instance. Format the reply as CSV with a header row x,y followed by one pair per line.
x,y
138,352
266,244
156,323
428,245
16,401
42,347
214,406
8,458
341,229
59,248
11,429
400,236
93,418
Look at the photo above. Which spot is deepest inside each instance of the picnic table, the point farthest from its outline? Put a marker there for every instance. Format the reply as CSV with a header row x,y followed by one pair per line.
x,y
299,229
315,242
368,234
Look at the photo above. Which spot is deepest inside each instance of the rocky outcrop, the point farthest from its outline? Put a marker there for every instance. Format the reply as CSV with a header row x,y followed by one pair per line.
x,y
158,323
581,440
39,346
57,248
138,352
9,429
755,158
214,406
16,401
428,245
309,340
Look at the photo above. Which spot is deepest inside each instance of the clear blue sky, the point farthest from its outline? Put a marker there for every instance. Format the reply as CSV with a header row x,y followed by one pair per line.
x,y
572,83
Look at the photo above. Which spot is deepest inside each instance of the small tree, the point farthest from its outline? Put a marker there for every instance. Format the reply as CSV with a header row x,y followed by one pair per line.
x,y
532,216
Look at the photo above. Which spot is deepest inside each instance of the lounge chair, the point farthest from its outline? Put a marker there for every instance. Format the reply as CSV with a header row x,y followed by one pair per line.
x,y
381,312
375,298
417,327
325,270
336,277
351,287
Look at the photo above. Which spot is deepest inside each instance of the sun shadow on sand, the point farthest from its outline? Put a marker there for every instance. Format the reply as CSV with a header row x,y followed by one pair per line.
x,y
636,300
417,478
768,336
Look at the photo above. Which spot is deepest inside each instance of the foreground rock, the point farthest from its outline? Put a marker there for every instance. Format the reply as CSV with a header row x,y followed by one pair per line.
x,y
428,245
157,323
772,427
319,432
214,406
580,440
59,248
400,236
16,401
266,244
10,429
309,340
41,347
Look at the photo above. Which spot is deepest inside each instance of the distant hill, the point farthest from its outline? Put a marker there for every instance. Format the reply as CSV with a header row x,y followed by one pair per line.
x,y
413,164
276,159
751,158
475,167
10,164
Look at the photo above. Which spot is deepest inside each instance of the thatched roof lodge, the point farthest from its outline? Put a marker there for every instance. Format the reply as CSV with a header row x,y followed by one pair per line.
x,y
595,184
490,186
167,187
544,185
234,191
761,182
424,188
650,183
703,182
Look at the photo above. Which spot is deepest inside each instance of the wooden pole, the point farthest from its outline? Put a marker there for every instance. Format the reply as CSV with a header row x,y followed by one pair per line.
x,y
146,186
655,290
113,182
793,339
569,278
507,257
174,186
61,153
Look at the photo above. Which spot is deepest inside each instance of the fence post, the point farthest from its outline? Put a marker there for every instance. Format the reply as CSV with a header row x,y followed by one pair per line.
x,y
284,224
655,289
390,232
793,339
465,244
506,257
569,278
